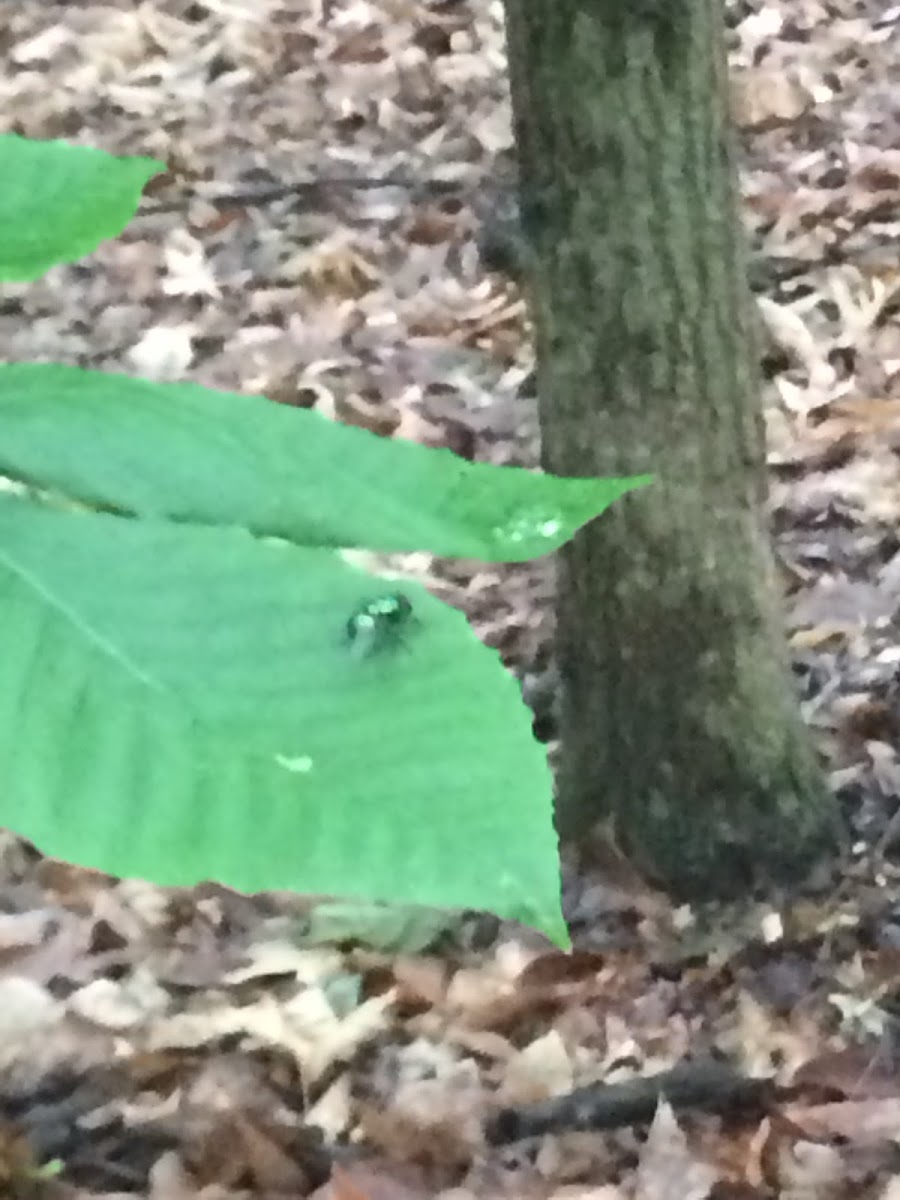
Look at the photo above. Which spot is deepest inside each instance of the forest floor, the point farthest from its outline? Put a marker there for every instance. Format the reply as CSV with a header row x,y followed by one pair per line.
x,y
188,1045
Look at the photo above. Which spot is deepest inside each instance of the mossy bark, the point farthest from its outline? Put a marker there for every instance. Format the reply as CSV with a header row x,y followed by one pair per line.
x,y
678,718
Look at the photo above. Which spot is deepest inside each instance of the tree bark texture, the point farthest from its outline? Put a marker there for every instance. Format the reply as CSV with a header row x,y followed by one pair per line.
x,y
678,718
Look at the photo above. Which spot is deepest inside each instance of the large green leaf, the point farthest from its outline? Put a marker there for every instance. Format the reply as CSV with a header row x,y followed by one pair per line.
x,y
185,452
58,202
181,703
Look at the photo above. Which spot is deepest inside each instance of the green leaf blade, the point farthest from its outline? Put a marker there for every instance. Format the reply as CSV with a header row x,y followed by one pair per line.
x,y
59,201
184,452
181,703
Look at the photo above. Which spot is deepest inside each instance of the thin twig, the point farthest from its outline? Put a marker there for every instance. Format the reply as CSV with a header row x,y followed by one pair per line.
x,y
305,188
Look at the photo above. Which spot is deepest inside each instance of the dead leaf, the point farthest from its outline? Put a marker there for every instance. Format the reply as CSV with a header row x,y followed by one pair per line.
x,y
164,352
667,1169
863,1122
763,99
541,1069
810,1171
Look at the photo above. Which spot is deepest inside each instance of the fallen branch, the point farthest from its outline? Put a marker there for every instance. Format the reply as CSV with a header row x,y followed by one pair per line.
x,y
707,1086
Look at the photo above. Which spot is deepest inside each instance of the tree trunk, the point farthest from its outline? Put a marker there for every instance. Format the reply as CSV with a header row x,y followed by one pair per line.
x,y
678,719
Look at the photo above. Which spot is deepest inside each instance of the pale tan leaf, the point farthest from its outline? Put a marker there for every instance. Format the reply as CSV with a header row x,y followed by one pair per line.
x,y
668,1170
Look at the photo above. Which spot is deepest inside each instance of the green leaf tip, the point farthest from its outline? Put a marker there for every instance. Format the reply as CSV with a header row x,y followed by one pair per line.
x,y
59,201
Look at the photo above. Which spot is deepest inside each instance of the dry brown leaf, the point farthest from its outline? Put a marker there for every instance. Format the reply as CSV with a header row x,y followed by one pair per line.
x,y
164,352
26,1010
863,1122
856,1071
370,1181
574,1192
891,1189
667,1169
541,1069
169,1180
809,1171
305,1025
120,1005
279,956
765,98
429,1108
333,1111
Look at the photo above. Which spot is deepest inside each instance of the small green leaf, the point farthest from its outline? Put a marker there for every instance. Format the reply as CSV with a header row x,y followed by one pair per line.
x,y
58,202
48,1170
184,452
390,929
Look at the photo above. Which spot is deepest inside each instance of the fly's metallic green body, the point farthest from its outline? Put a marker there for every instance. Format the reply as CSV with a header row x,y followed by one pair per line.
x,y
379,625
